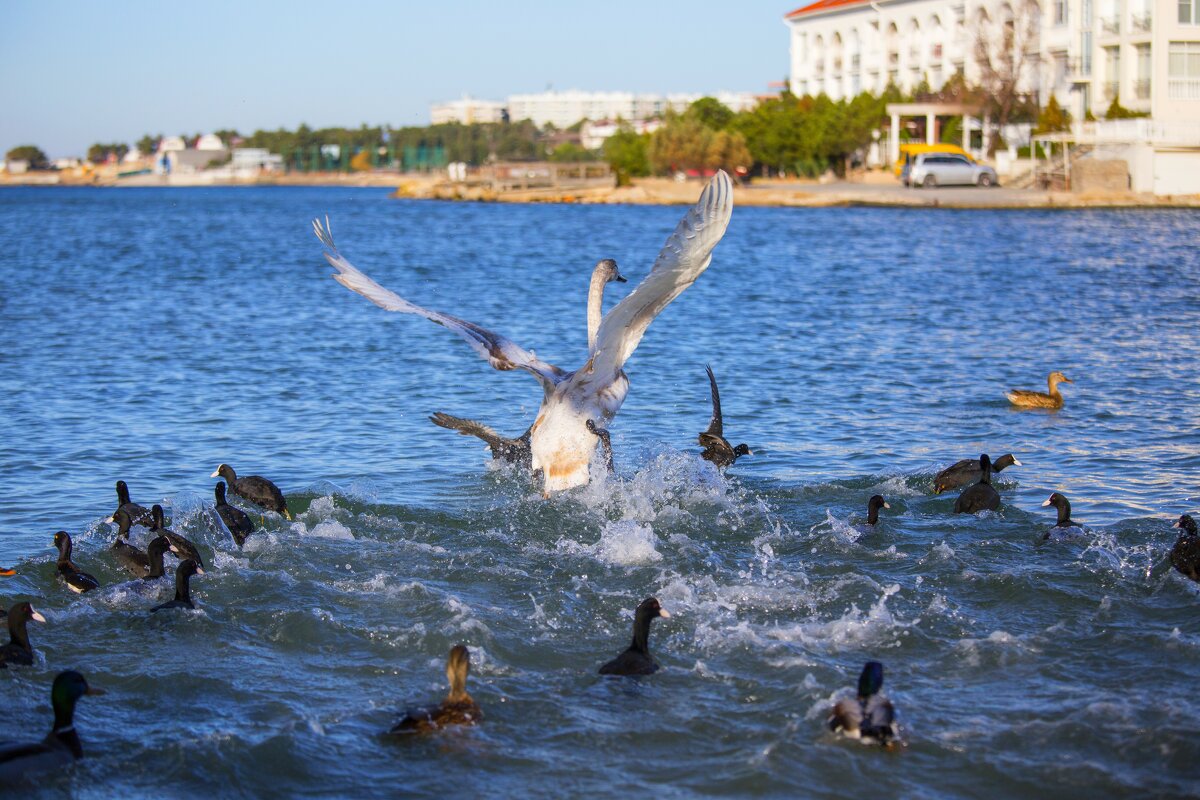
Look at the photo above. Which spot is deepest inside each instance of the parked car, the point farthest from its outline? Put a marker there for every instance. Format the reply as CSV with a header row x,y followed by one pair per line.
x,y
946,169
910,150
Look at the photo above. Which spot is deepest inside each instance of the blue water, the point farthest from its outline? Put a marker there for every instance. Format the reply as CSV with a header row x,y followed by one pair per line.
x,y
149,335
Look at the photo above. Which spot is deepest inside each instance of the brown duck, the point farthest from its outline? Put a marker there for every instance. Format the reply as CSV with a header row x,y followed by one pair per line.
x,y
459,708
1025,398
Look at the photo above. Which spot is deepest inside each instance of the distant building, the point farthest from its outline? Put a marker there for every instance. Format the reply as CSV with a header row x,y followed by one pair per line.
x,y
467,111
593,134
255,159
564,109
210,141
170,143
16,166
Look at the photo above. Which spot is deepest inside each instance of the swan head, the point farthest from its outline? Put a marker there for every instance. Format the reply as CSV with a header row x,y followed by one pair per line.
x,y
607,268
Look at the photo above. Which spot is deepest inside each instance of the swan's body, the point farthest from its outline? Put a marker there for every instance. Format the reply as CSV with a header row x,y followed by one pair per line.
x,y
560,443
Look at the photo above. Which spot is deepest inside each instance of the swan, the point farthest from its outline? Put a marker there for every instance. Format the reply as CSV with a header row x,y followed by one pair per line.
x,y
560,443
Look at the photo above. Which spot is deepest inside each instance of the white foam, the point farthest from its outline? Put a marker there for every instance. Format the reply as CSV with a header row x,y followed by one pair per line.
x,y
626,543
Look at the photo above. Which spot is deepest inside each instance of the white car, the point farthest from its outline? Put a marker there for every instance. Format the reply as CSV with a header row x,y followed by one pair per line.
x,y
947,169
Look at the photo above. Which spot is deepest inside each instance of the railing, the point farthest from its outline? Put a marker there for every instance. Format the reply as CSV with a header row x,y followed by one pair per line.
x,y
914,54
1080,70
1124,131
1141,89
1141,23
1183,88
855,62
1111,25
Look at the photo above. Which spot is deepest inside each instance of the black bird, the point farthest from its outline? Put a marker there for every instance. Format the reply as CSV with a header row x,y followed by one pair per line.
x,y
1064,512
869,716
873,505
514,451
130,557
18,650
636,659
183,589
61,747
256,489
459,708
76,579
180,545
605,442
235,519
716,447
1185,555
966,471
154,552
981,496
138,515
5,573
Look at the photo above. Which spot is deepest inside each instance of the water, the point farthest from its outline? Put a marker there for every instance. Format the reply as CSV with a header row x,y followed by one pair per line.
x,y
150,335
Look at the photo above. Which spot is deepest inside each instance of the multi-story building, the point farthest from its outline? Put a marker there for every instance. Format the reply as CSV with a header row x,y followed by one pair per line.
x,y
564,109
467,111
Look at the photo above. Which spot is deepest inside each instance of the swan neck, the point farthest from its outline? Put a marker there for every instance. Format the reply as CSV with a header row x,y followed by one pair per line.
x,y
595,305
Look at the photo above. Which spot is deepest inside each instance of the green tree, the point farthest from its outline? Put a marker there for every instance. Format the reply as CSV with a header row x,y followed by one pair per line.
x,y
31,153
680,144
99,153
1118,111
1052,118
626,152
568,152
711,113
148,144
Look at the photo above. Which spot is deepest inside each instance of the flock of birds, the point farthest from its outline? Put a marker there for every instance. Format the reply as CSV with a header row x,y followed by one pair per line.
x,y
558,447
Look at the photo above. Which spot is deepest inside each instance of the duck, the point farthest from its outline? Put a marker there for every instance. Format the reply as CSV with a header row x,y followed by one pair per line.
x,y
180,545
964,472
76,579
237,521
138,515
1185,555
636,659
873,505
183,590
1025,398
1063,505
155,552
717,448
980,496
18,650
561,446
19,760
256,489
870,716
133,559
512,451
605,442
459,708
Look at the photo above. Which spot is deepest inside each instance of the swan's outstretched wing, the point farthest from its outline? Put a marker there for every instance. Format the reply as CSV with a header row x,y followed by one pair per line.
x,y
500,352
716,426
686,254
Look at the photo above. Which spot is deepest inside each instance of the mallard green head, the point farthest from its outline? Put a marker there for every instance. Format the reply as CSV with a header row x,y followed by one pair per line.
x,y
68,687
871,680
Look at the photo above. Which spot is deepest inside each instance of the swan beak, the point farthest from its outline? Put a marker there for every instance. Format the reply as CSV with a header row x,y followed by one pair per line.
x,y
36,616
619,278
216,474
1017,463
662,612
887,505
199,570
1046,502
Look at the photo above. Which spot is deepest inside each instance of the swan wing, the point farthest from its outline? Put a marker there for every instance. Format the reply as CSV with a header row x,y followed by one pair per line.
x,y
715,427
501,353
686,254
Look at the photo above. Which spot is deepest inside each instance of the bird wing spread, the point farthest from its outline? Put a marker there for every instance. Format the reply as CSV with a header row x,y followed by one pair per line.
x,y
715,426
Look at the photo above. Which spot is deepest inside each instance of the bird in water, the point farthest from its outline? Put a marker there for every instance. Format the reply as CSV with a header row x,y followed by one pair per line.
x,y
716,447
155,552
1063,505
130,557
869,716
256,489
1025,398
180,545
1185,555
605,443
636,659
19,760
459,708
76,579
980,496
138,515
560,444
18,650
183,589
873,505
237,521
967,471
514,451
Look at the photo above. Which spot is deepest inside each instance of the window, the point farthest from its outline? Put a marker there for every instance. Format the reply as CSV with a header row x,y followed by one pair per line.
x,y
1183,71
1189,12
1112,72
1141,89
1060,12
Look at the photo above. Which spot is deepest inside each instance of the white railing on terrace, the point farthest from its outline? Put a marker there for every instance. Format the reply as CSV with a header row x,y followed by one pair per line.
x,y
1183,88
1141,22
1126,131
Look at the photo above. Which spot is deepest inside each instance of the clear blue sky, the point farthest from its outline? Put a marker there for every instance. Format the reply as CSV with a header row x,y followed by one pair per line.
x,y
77,72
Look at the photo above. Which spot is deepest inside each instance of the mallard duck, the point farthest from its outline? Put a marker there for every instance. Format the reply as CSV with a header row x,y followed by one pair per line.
x,y
180,545
183,589
1185,555
870,716
76,579
61,747
138,515
459,708
980,496
1064,512
514,451
237,521
966,471
256,489
636,659
18,650
717,448
1029,399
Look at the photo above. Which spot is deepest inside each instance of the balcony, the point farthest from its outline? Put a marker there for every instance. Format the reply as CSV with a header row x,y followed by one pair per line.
x,y
1112,90
935,54
1111,26
1080,70
1183,88
1141,89
1141,23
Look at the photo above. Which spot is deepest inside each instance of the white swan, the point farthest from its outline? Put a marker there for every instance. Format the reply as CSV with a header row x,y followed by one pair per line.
x,y
561,444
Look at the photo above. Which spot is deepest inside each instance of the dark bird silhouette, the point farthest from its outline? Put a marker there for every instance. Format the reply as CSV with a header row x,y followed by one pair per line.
x,y
130,557
1063,505
237,521
256,489
1185,555
967,471
869,716
716,447
183,589
636,659
61,747
514,451
980,496
138,515
180,545
18,650
459,708
873,505
76,579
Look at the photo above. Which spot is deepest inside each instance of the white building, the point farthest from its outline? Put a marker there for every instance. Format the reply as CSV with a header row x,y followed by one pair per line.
x,y
564,109
593,134
467,111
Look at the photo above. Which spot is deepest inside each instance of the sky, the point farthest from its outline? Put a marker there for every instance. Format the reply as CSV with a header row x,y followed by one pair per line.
x,y
73,73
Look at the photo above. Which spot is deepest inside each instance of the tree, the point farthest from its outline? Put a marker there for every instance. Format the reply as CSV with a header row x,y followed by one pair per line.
x,y
100,153
626,152
680,144
1004,57
727,150
711,113
1118,111
569,152
31,153
148,144
1052,118
361,161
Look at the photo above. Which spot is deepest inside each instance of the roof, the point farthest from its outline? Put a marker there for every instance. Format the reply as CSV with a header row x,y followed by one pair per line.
x,y
823,5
